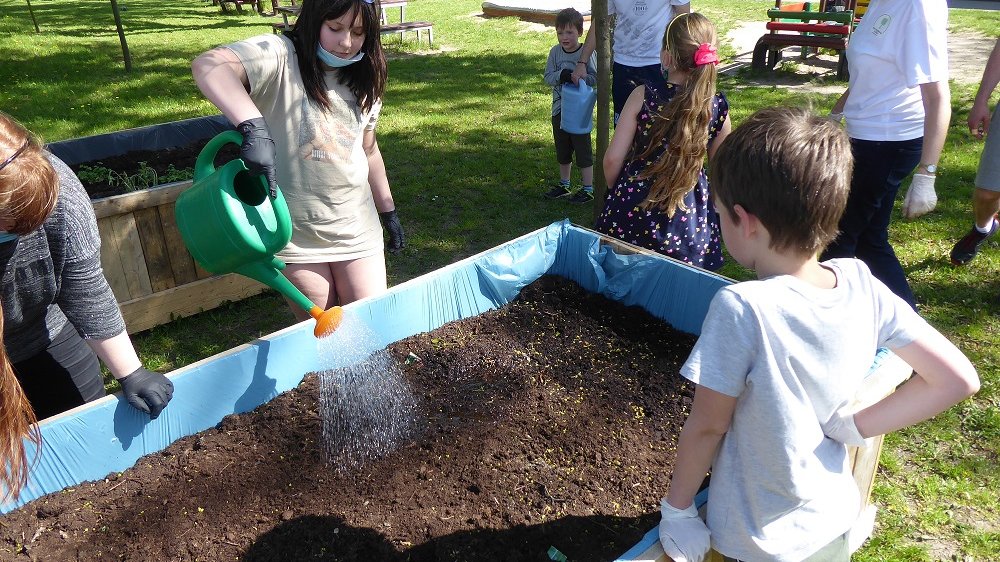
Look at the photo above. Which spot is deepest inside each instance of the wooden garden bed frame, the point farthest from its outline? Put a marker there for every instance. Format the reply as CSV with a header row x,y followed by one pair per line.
x,y
154,278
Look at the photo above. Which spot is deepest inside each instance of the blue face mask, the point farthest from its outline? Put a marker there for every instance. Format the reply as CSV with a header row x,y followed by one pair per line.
x,y
7,237
333,60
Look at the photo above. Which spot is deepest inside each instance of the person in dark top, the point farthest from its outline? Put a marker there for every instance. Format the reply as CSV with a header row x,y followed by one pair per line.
x,y
658,191
60,318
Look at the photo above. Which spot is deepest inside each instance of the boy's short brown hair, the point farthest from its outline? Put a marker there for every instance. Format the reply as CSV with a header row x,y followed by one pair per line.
x,y
791,169
569,16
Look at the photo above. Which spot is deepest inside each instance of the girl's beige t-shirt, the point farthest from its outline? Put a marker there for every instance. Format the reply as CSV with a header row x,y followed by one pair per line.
x,y
321,166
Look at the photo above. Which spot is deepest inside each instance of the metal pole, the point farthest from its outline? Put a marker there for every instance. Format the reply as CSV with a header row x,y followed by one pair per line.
x,y
599,19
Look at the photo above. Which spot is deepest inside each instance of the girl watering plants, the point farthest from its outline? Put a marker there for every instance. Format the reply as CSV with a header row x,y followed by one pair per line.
x,y
658,197
307,103
59,314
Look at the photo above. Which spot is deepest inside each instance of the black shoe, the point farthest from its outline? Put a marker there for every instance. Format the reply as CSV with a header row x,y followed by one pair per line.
x,y
582,196
968,246
558,192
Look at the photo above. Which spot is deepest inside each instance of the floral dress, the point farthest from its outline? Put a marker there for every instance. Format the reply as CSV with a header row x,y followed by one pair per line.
x,y
691,236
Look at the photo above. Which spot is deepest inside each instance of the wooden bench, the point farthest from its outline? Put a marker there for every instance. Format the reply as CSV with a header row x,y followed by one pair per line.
x,y
416,26
820,30
238,4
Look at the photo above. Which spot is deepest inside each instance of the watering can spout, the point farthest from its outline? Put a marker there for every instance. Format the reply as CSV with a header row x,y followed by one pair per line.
x,y
269,273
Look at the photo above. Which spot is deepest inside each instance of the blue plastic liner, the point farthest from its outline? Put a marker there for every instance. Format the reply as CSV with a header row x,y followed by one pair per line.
x,y
108,435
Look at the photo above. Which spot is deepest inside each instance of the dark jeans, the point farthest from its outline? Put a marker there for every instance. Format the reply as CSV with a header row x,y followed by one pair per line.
x,y
624,79
64,376
879,169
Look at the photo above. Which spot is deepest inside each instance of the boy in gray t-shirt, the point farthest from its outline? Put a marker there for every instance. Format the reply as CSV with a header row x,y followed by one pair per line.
x,y
779,358
558,73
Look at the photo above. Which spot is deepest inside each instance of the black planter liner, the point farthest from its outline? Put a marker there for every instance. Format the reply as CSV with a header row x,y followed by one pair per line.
x,y
154,137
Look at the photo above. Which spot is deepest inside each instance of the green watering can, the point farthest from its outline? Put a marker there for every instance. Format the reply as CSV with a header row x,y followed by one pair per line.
x,y
229,224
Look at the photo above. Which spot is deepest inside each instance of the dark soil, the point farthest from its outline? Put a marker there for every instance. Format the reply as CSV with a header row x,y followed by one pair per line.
x,y
182,158
549,422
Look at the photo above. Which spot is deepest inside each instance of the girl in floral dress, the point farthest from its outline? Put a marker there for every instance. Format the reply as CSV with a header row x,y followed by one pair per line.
x,y
659,199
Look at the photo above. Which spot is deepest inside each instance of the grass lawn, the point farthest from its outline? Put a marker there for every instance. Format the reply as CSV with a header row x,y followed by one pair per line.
x,y
466,139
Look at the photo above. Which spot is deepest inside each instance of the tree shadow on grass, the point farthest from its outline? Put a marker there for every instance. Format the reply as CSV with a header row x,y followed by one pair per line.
x,y
580,538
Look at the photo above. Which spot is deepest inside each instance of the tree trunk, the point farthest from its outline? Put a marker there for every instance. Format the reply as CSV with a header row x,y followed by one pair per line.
x,y
33,20
599,19
121,36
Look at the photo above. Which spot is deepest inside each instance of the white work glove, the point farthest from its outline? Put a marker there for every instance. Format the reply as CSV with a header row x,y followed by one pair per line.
x,y
920,198
841,427
683,535
862,528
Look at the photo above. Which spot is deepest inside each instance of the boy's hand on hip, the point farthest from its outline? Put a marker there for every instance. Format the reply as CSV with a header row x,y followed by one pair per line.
x,y
841,427
683,535
920,198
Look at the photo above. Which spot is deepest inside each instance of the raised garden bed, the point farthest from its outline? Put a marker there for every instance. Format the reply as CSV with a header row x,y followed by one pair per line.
x,y
108,436
549,422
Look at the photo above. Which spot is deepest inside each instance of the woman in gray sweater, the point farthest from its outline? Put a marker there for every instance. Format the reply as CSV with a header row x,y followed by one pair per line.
x,y
59,314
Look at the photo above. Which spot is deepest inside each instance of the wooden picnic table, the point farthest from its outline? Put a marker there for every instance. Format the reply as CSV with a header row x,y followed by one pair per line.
x,y
400,27
294,10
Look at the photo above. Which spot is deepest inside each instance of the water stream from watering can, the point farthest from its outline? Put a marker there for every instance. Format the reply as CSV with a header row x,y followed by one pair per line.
x,y
367,407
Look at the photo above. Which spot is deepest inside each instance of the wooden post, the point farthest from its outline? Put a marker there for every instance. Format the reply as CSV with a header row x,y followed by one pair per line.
x,y
599,19
121,36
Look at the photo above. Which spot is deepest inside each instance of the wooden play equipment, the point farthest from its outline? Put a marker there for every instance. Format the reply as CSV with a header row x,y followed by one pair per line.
x,y
536,11
795,24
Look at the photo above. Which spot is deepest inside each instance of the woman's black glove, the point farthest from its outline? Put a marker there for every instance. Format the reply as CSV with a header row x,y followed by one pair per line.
x,y
390,220
257,150
147,391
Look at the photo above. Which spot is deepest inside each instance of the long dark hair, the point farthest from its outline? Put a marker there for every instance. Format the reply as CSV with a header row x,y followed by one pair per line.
x,y
365,78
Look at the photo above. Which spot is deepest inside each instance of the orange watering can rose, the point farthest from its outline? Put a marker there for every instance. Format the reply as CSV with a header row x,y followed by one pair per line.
x,y
231,224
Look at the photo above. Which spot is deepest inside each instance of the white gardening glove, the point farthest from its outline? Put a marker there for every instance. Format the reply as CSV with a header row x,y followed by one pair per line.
x,y
841,427
683,535
862,528
920,198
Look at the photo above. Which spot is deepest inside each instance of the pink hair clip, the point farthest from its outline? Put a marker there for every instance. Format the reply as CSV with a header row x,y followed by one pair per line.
x,y
706,54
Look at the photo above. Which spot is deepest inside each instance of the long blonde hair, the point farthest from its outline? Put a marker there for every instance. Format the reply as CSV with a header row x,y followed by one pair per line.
x,y
684,120
28,190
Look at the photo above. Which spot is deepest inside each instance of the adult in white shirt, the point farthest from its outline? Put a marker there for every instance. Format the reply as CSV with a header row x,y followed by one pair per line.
x,y
638,40
897,107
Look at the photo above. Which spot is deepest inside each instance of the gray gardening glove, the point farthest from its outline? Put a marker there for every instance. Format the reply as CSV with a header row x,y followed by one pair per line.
x,y
390,220
147,391
257,151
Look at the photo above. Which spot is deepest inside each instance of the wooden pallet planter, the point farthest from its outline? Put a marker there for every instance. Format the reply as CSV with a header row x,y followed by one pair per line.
x,y
151,273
